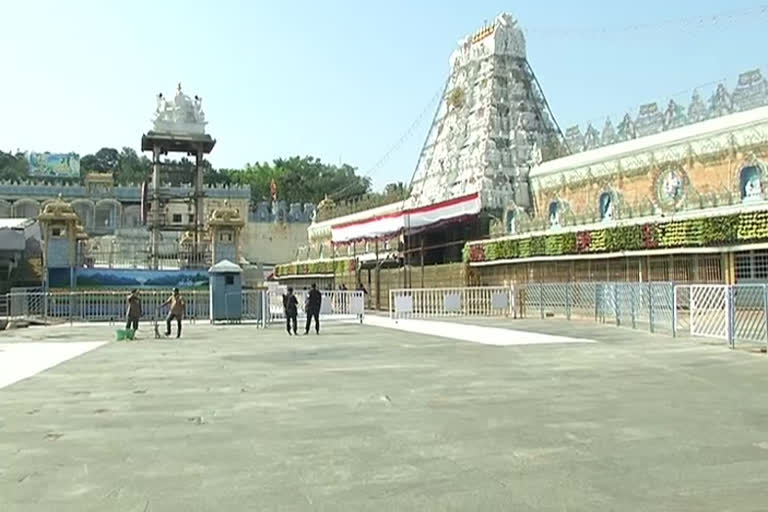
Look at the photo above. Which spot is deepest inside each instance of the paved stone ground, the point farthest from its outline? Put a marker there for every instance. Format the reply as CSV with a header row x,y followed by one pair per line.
x,y
362,418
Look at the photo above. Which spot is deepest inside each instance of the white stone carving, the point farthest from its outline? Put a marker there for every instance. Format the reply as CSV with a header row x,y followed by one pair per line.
x,y
496,133
183,115
750,92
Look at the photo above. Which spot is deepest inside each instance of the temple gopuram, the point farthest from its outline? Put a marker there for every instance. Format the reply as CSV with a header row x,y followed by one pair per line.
x,y
501,195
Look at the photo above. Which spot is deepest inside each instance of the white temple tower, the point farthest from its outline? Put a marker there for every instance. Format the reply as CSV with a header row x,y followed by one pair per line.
x,y
492,126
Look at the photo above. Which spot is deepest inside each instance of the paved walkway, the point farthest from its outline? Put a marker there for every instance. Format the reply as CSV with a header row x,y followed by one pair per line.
x,y
365,418
500,336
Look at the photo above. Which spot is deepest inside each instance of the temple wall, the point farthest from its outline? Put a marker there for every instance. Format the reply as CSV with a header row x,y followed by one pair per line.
x,y
715,163
271,242
681,268
710,182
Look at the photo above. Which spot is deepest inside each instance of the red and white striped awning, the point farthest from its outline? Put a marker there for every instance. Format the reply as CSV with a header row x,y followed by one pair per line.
x,y
386,226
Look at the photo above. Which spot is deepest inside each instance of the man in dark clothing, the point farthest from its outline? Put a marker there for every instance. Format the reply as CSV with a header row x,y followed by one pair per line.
x,y
314,300
361,288
133,313
291,308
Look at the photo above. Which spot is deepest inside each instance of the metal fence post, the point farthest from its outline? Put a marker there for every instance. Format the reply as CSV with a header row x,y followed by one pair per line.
x,y
650,308
729,315
674,310
541,299
597,302
568,300
765,314
632,304
616,309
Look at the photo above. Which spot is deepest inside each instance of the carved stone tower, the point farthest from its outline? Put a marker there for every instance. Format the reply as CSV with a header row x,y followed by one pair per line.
x,y
492,125
60,229
225,225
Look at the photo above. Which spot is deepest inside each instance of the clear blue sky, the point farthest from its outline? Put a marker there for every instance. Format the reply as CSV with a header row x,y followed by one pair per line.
x,y
334,79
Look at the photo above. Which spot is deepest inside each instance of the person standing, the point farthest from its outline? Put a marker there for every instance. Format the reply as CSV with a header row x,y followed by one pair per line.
x,y
361,288
133,313
176,311
291,308
314,301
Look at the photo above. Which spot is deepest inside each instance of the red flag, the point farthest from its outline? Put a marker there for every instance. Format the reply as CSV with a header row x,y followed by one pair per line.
x,y
273,190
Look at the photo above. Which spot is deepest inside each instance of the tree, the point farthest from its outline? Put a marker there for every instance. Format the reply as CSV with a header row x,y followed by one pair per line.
x,y
132,168
299,180
13,167
105,160
396,190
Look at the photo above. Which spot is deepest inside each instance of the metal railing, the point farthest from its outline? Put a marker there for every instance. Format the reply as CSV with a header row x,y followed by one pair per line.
x,y
99,306
648,306
246,306
451,302
335,305
737,314
110,306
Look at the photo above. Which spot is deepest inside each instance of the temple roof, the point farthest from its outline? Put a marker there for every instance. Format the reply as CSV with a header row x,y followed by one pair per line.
x,y
58,209
226,216
692,132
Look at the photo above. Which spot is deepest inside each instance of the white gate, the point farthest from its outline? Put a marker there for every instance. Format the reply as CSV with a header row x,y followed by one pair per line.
x,y
335,305
709,311
486,301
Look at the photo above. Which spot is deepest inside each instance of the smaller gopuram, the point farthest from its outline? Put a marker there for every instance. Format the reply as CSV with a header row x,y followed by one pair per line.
x,y
59,226
225,225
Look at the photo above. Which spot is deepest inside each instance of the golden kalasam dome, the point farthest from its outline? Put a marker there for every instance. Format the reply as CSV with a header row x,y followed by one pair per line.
x,y
326,203
226,216
58,210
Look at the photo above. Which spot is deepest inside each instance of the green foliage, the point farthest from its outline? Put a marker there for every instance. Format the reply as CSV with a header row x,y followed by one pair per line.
x,y
298,179
465,253
719,230
554,245
683,233
753,226
13,167
538,246
501,250
569,243
624,238
727,229
492,251
524,247
339,266
599,243
509,249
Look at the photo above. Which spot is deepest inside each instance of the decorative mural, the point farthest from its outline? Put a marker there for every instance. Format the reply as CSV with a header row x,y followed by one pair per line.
x,y
95,278
669,188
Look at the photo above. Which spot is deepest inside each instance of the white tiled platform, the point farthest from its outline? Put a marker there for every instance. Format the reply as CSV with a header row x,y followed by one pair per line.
x,y
19,361
472,333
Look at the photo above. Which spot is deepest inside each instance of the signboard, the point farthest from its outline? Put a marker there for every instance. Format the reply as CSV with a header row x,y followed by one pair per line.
x,y
452,302
54,165
500,300
403,304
